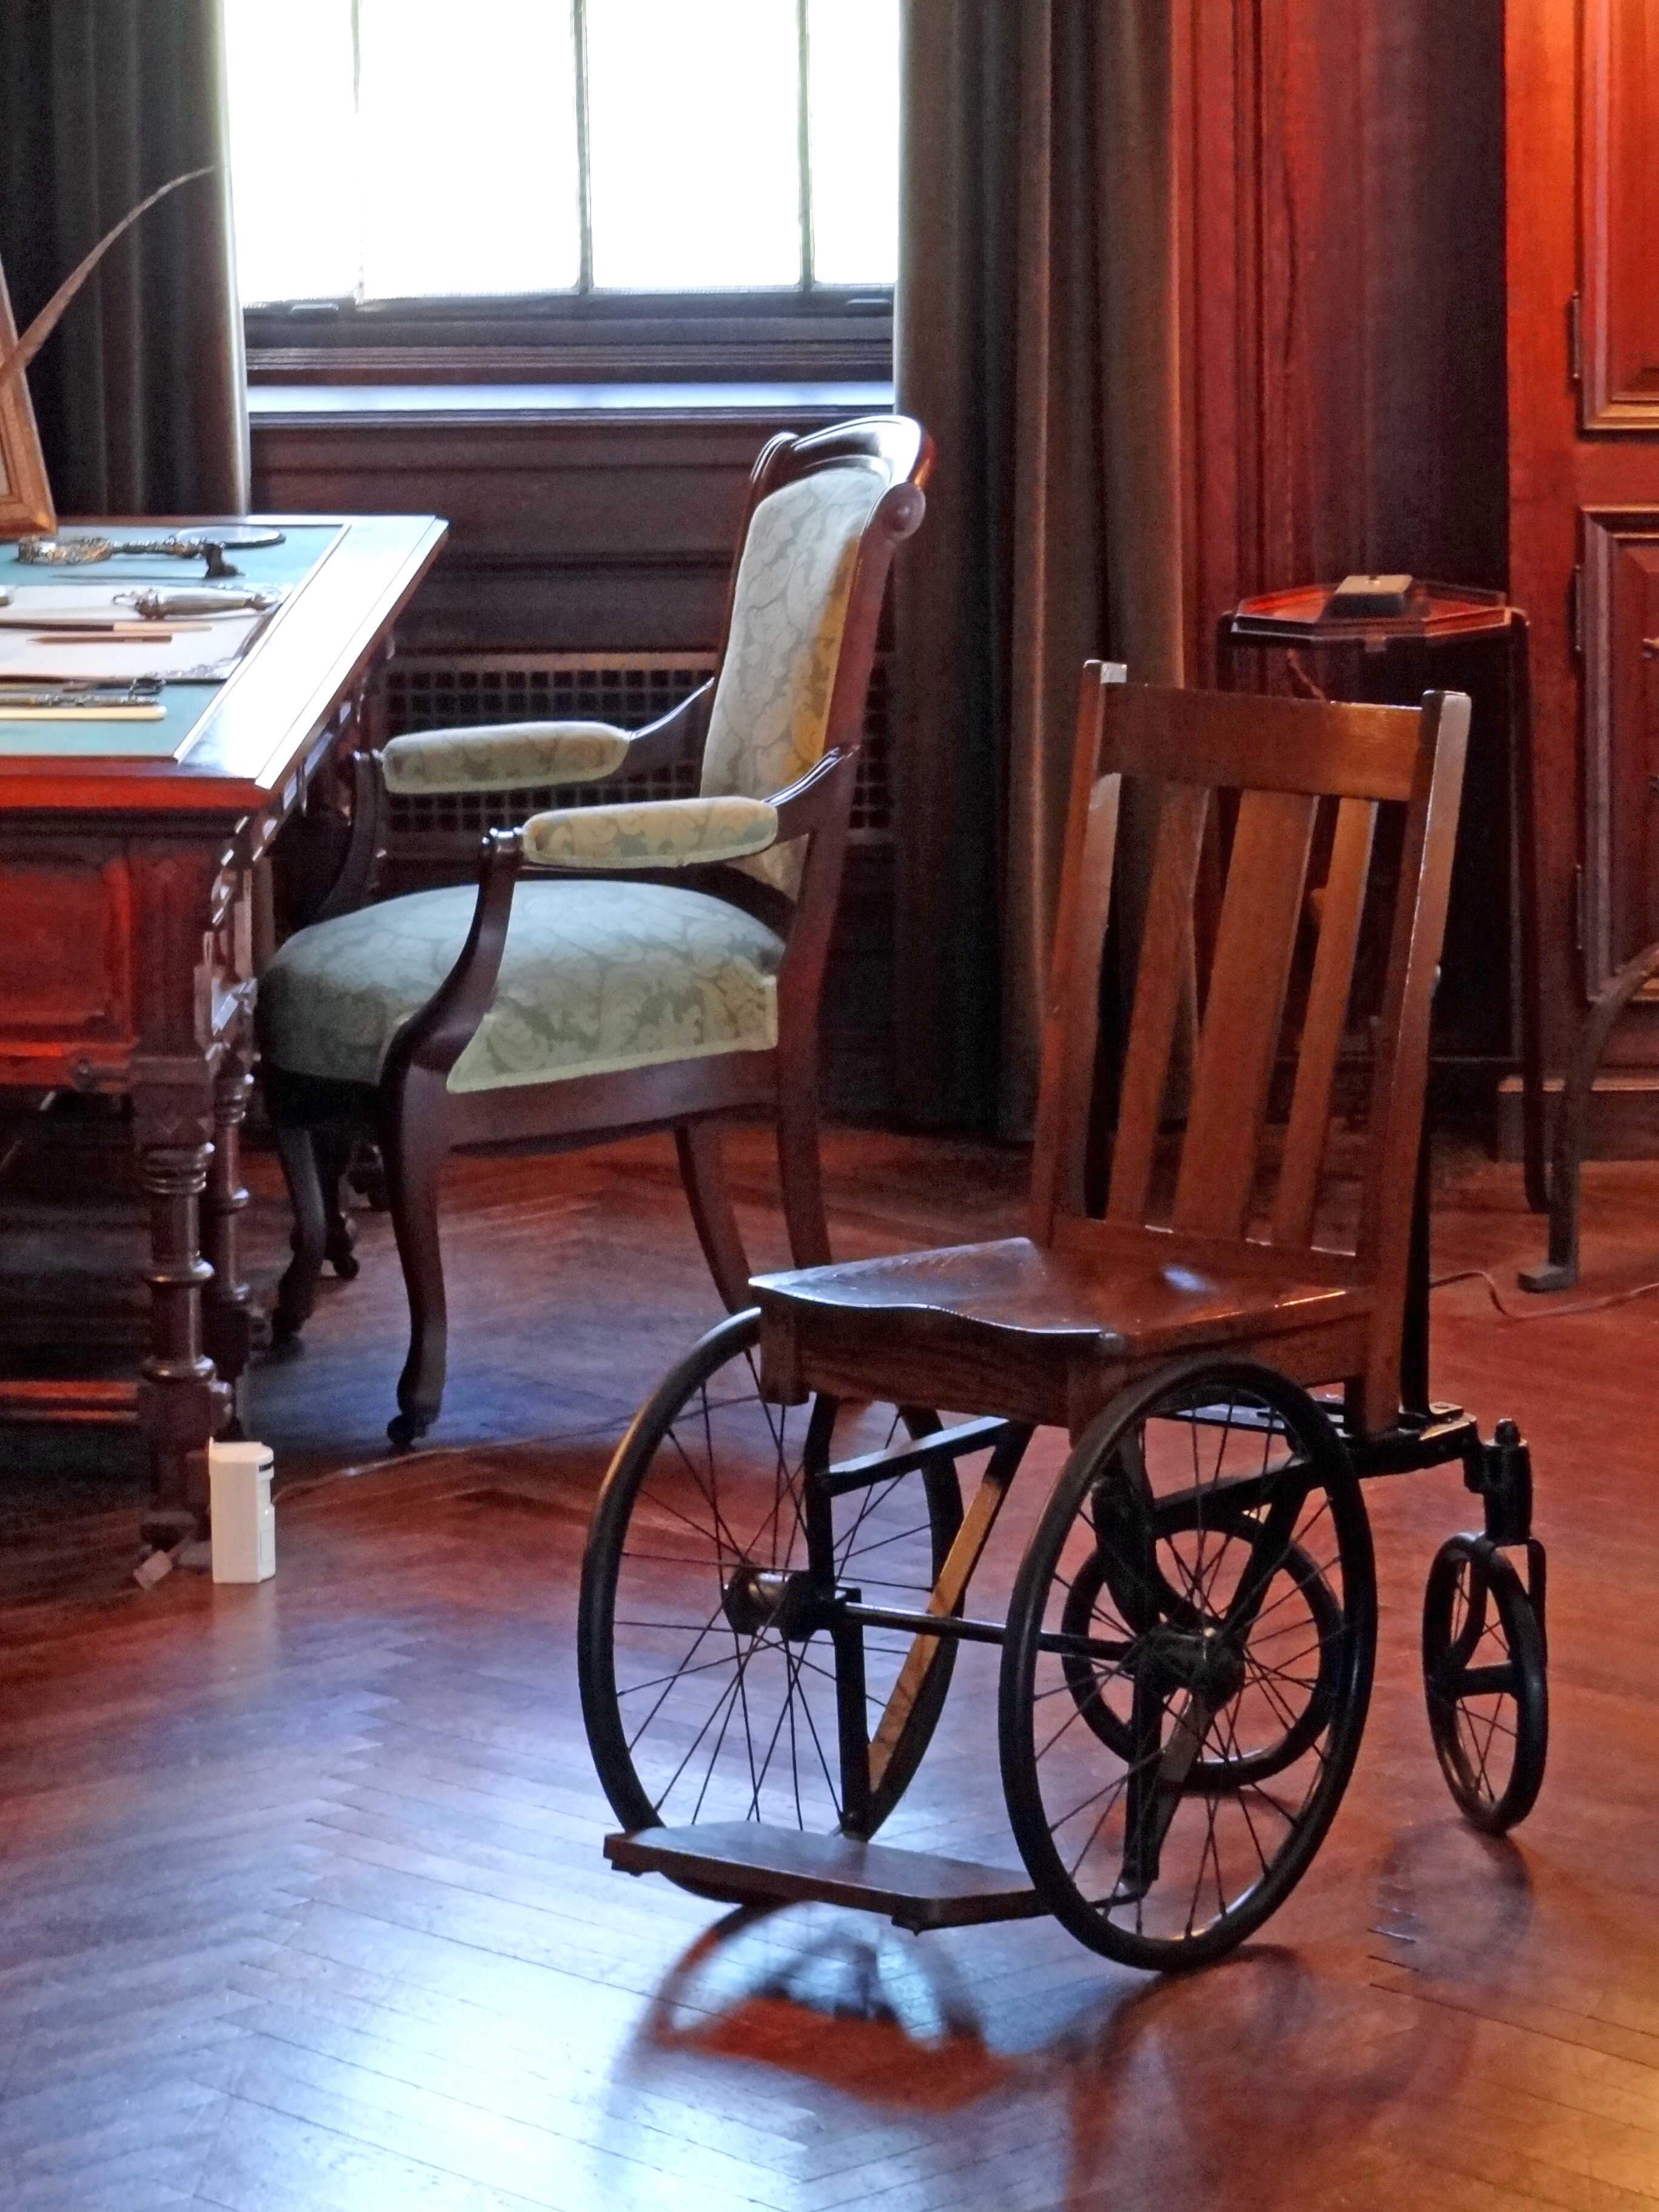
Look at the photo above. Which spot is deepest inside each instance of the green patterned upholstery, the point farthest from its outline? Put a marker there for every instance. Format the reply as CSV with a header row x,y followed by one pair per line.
x,y
771,705
595,977
650,833
503,757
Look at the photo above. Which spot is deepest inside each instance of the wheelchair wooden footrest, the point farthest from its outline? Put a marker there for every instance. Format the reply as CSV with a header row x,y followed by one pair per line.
x,y
743,1862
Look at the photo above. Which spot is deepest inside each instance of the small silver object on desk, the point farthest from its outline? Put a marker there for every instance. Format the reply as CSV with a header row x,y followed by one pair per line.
x,y
63,552
82,692
156,605
209,545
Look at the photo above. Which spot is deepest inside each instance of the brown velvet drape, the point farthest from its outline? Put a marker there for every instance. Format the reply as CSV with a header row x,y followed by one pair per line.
x,y
139,395
1037,340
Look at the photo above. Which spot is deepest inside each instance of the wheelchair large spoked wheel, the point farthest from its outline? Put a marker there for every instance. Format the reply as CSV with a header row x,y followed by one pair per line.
x,y
714,1685
1485,1683
1188,1663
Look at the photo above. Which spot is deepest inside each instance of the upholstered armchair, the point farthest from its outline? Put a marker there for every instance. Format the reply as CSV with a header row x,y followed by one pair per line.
x,y
650,964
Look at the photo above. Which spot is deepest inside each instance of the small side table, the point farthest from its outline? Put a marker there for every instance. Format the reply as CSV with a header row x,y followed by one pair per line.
x,y
1390,661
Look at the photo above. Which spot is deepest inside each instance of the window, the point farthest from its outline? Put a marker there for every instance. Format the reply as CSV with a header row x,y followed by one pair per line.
x,y
444,175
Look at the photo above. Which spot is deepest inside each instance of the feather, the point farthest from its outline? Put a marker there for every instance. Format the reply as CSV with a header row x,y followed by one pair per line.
x,y
17,359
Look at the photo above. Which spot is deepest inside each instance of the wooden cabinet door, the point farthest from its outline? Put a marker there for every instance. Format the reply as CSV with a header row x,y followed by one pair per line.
x,y
1582,164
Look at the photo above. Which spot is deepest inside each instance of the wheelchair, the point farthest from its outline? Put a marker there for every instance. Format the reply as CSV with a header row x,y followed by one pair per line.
x,y
777,1584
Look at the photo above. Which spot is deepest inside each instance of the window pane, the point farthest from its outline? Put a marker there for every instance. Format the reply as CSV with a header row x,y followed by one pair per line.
x,y
469,147
292,138
854,73
693,143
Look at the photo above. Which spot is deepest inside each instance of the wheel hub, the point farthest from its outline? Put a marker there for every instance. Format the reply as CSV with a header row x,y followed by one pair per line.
x,y
1204,1662
757,1598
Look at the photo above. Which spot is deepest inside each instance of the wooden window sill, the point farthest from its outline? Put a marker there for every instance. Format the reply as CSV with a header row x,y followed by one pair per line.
x,y
386,406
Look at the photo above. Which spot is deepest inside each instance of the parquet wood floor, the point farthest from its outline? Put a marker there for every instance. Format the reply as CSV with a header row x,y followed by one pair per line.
x,y
302,1903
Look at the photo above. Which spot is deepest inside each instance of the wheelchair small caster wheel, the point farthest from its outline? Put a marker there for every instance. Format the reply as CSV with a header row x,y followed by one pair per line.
x,y
404,1431
1484,1682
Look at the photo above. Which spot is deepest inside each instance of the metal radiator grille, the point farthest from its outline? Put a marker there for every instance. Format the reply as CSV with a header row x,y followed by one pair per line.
x,y
436,691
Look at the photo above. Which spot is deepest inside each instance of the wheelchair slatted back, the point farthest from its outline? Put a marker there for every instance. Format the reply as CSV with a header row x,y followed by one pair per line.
x,y
1282,758
1255,943
1322,1029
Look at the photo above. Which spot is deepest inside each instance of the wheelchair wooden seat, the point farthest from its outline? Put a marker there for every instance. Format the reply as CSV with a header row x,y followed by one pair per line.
x,y
778,1574
1046,1333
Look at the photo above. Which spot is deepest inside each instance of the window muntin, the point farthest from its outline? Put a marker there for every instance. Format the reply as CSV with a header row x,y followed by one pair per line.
x,y
523,150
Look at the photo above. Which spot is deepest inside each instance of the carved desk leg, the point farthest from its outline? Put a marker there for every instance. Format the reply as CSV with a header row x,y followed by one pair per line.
x,y
226,1306
181,1401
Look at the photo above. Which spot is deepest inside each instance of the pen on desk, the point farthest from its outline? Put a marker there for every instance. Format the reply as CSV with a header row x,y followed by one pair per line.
x,y
102,638
44,625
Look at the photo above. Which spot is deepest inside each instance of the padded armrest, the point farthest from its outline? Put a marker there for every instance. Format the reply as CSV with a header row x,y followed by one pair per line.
x,y
650,833
504,757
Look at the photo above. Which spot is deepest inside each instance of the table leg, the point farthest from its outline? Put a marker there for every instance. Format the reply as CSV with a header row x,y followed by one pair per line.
x,y
228,1317
1526,834
181,1401
1560,1271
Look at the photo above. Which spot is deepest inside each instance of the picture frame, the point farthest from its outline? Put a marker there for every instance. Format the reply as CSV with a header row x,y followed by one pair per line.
x,y
26,504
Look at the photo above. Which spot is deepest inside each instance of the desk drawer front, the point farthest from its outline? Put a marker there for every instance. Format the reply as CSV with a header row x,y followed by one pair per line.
x,y
66,1001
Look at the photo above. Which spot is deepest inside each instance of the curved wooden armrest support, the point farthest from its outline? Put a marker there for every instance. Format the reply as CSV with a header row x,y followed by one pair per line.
x,y
673,737
445,1026
812,801
815,807
350,887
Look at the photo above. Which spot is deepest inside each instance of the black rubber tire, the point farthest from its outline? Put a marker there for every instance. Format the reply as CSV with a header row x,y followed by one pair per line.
x,y
1491,1741
770,1701
1281,1471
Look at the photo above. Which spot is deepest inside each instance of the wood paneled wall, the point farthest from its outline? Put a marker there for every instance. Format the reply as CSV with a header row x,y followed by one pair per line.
x,y
1343,194
1583,157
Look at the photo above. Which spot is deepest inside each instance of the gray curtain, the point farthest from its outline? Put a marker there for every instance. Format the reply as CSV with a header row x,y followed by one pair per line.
x,y
1037,340
139,394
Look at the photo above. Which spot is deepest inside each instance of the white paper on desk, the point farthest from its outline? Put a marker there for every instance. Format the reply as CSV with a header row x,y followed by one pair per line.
x,y
31,656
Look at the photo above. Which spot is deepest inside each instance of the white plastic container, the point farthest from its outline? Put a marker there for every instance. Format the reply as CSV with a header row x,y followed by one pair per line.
x,y
244,1520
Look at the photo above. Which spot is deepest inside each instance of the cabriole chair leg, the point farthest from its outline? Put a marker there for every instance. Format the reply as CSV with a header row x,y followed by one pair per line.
x,y
414,1155
703,1171
297,1293
333,1158
800,1173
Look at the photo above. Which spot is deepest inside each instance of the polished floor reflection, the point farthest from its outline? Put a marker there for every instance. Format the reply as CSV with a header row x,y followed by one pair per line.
x,y
303,1898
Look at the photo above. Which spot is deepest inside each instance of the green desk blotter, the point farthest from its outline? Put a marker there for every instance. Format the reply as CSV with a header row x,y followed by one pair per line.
x,y
184,706
268,568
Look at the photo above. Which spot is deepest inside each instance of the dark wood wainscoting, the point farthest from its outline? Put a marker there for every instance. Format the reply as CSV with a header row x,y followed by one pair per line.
x,y
586,524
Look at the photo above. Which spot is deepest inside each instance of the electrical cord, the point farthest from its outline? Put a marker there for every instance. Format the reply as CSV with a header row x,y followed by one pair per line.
x,y
1541,1312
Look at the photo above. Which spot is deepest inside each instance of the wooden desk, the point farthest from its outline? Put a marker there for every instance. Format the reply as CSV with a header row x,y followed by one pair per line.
x,y
127,935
